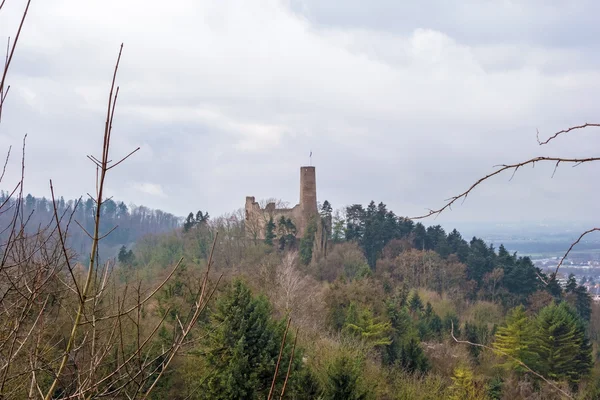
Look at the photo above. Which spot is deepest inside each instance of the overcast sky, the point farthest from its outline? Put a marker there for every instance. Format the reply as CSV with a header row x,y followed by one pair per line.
x,y
401,102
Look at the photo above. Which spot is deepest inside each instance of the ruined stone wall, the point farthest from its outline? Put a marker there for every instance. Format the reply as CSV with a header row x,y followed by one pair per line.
x,y
257,217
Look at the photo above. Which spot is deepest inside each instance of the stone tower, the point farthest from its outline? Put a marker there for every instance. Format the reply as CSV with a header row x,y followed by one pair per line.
x,y
308,191
301,214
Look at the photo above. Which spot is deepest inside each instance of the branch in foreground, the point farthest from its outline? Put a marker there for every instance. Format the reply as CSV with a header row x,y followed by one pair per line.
x,y
571,248
555,135
521,363
287,327
506,167
287,375
10,56
95,240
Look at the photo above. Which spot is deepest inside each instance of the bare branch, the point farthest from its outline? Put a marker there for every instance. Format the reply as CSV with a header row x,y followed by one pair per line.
x,y
504,167
93,253
62,243
287,375
109,232
84,230
5,163
555,135
279,359
124,158
139,304
12,52
571,248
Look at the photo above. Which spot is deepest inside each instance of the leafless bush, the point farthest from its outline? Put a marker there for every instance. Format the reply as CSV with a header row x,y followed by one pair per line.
x,y
74,331
298,294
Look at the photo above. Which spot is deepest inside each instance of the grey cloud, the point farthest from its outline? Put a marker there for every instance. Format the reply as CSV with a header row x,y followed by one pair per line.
x,y
550,23
227,98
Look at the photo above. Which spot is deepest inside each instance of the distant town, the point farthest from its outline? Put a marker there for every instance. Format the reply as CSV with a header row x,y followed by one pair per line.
x,y
587,273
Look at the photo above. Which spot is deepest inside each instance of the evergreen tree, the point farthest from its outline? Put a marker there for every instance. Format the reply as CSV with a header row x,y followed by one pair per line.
x,y
583,303
571,284
243,347
201,219
364,325
415,304
189,223
287,233
480,261
517,339
126,257
327,217
553,287
405,350
338,233
343,379
270,232
419,237
458,245
463,385
412,357
307,242
564,350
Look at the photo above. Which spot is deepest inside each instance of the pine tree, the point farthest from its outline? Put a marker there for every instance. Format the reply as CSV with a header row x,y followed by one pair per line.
x,y
243,346
412,357
126,257
307,242
516,338
338,233
343,379
363,324
564,350
189,223
571,284
463,385
415,304
270,232
583,303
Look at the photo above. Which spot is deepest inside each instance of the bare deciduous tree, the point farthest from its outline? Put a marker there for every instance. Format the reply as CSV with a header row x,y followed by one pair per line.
x,y
74,332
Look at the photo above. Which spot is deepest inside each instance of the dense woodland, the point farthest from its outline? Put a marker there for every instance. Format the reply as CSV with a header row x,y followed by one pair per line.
x,y
131,222
381,313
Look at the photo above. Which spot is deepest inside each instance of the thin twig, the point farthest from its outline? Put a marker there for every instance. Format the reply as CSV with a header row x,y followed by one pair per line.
x,y
504,167
139,304
62,243
124,158
555,135
12,51
571,248
5,163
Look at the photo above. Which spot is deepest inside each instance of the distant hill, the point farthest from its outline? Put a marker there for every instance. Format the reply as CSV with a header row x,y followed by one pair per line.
x,y
131,222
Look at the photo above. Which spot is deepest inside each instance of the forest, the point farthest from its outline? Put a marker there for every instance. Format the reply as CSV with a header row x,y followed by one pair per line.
x,y
99,300
129,222
387,309
385,313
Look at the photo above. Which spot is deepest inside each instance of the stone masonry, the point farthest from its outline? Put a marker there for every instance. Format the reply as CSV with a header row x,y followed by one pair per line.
x,y
257,217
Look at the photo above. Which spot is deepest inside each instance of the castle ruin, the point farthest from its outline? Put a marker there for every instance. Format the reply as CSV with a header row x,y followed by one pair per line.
x,y
257,217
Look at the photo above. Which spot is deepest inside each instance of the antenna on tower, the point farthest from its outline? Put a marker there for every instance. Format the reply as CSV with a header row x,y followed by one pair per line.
x,y
310,158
